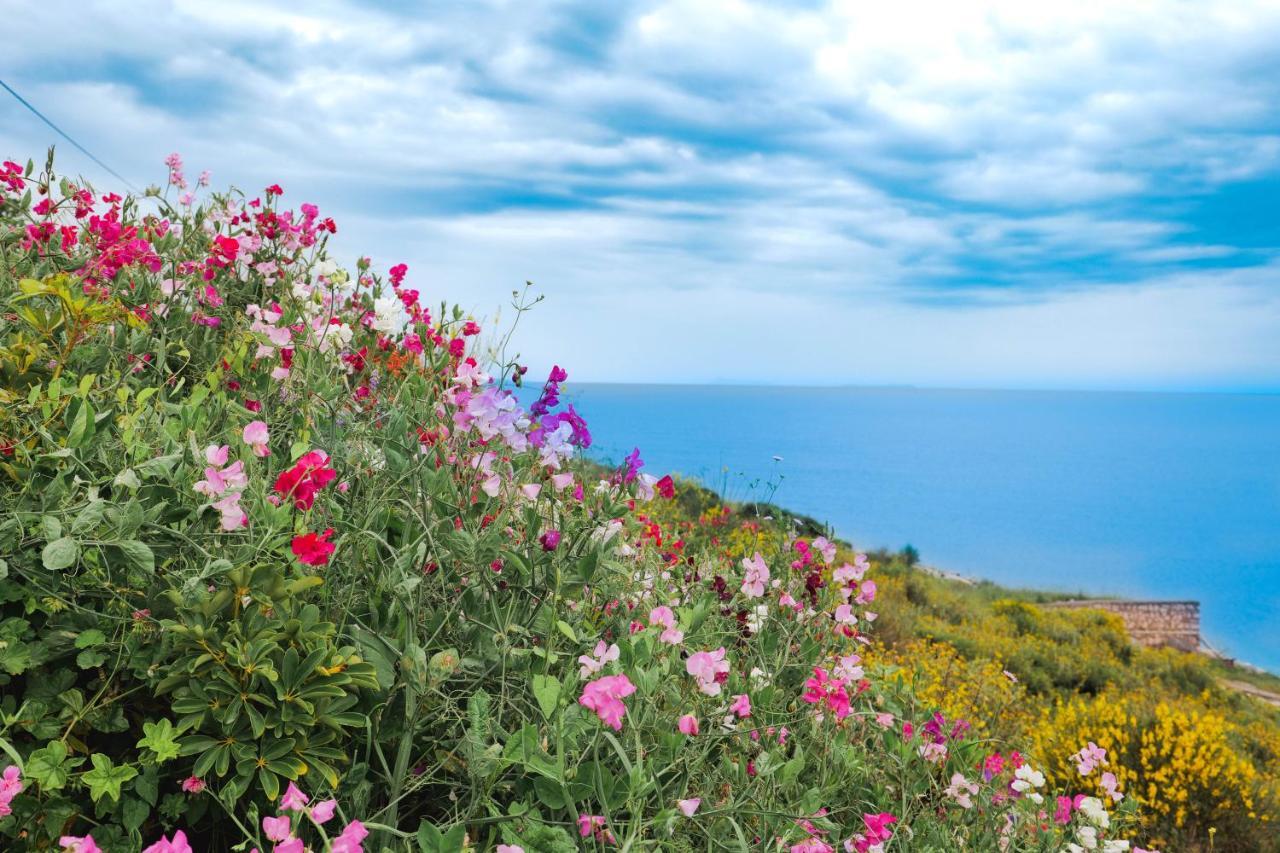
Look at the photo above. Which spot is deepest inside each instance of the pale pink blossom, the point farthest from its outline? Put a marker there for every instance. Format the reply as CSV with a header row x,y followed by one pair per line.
x,y
757,576
688,725
605,695
256,436
741,705
690,806
708,669
294,799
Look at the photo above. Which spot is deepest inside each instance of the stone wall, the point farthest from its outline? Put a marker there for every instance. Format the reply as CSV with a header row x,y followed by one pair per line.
x,y
1152,623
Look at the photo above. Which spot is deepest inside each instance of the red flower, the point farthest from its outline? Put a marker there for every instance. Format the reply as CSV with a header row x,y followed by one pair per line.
x,y
313,548
666,487
306,478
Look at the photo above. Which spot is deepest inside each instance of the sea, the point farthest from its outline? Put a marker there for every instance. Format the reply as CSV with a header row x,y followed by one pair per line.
x,y
1136,495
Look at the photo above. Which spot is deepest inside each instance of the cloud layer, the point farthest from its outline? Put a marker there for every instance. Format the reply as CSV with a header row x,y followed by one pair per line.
x,y
991,193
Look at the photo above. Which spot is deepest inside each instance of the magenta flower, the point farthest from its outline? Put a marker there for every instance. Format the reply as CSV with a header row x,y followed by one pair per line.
x,y
605,695
294,799
177,845
741,705
193,784
550,540
78,844
688,725
10,787
290,845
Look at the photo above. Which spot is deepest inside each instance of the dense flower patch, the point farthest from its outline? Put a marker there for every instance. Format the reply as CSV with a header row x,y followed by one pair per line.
x,y
289,565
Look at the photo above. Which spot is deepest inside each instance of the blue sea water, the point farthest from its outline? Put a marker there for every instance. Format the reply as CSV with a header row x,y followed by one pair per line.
x,y
1172,496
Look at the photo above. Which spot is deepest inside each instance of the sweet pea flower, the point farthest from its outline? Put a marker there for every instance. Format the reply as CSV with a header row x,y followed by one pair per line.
x,y
1089,758
79,844
276,828
604,655
531,491
562,480
177,845
605,695
313,549
193,784
256,436
304,480
323,810
961,790
594,824
10,786
350,840
550,540
688,725
690,806
217,455
741,705
233,517
757,576
826,548
510,848
1110,784
708,669
293,799
290,845
666,619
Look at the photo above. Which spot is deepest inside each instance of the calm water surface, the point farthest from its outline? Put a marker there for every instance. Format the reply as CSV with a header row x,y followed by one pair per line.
x,y
1141,495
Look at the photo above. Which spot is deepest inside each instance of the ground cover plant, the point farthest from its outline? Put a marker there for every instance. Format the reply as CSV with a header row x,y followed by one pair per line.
x,y
287,566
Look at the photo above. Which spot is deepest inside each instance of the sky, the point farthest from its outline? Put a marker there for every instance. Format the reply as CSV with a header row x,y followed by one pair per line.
x,y
957,194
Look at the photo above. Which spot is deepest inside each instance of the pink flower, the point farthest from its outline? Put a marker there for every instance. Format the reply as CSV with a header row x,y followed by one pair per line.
x,y
78,844
294,800
709,669
866,592
664,617
256,436
562,480
313,549
216,455
193,784
510,848
290,845
589,824
217,482
531,490
10,786
276,828
688,725
1062,814
323,810
826,548
550,540
961,790
688,807
233,517
350,839
757,577
605,695
741,705
1089,758
177,845
604,655
1110,785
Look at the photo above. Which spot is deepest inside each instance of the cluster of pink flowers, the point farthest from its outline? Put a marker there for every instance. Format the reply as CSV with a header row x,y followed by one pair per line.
x,y
876,832
663,617
226,484
709,670
10,787
605,695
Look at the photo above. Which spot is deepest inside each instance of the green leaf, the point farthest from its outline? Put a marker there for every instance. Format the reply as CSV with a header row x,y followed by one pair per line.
x,y
546,689
138,554
91,637
133,813
161,738
105,778
60,554
50,527
89,517
127,478
50,767
89,658
567,630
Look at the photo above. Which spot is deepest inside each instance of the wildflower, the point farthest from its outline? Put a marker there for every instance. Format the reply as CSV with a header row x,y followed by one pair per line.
x,y
233,517
323,810
933,752
741,705
510,848
218,482
666,487
276,828
1026,780
605,695
603,656
313,549
177,845
961,790
826,548
350,839
757,576
291,844
688,725
594,824
1089,758
10,786
193,784
304,480
709,669
666,619
256,436
294,799
1109,785
1093,809
688,807
79,844
550,540
876,833
1062,814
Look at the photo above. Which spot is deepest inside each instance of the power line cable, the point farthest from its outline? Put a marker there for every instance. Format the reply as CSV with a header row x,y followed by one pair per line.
x,y
67,136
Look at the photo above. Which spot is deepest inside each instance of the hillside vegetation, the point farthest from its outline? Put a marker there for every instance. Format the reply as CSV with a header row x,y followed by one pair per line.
x,y
286,566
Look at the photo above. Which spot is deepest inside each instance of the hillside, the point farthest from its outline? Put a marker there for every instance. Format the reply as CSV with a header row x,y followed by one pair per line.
x,y
286,565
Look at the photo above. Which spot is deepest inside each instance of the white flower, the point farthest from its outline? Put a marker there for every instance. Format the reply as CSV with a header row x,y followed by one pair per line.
x,y
1092,808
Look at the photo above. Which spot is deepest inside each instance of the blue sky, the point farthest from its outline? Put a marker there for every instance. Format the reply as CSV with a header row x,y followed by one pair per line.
x,y
993,194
